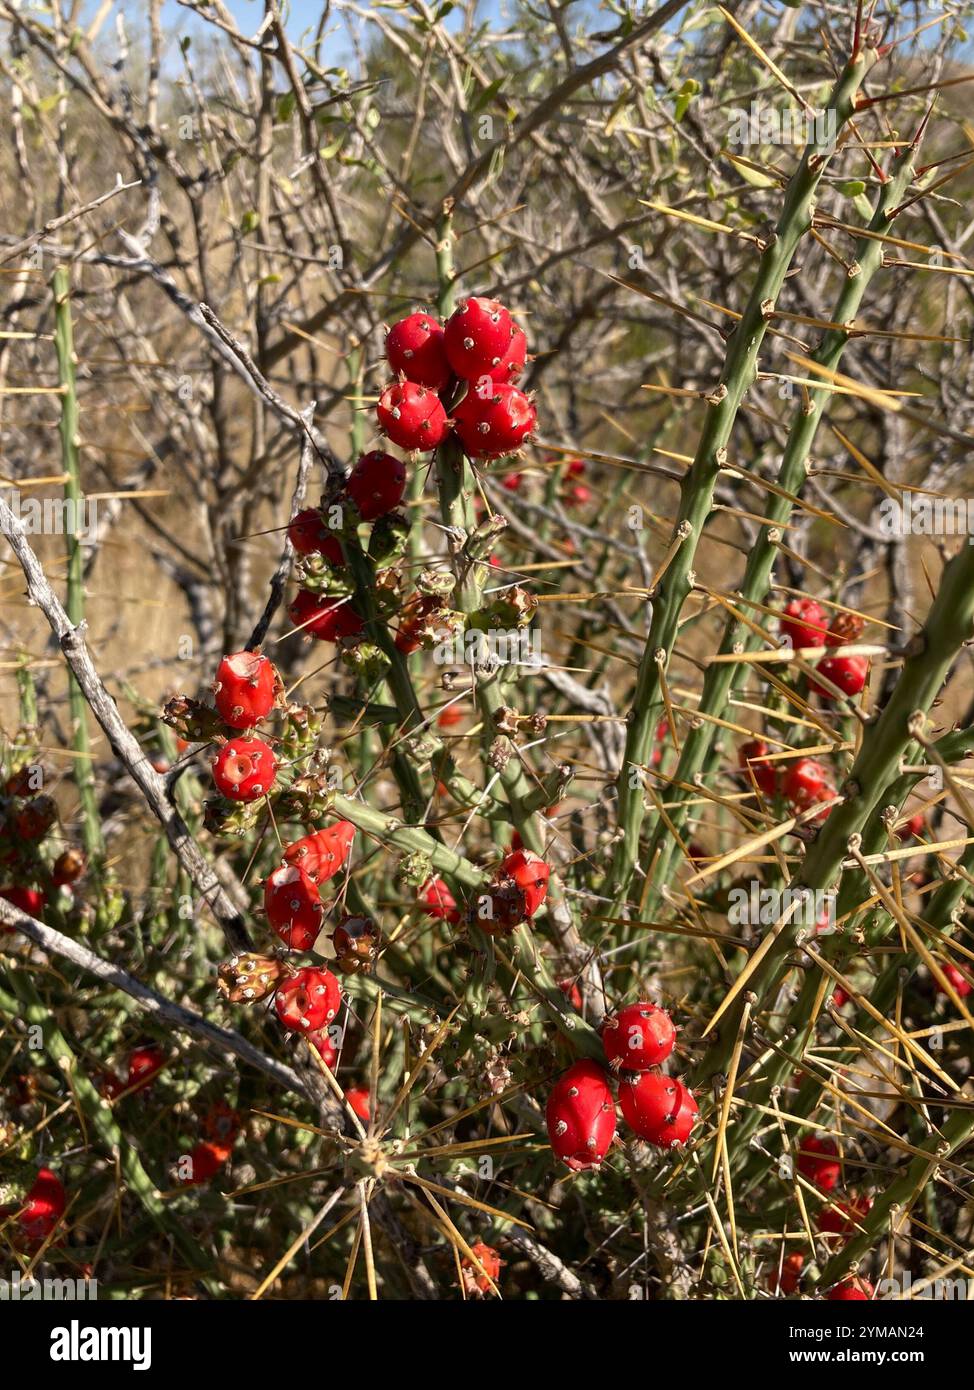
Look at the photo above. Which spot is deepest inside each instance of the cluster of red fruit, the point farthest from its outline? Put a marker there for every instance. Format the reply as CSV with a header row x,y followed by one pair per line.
x,y
514,895
480,346
804,782
246,689
26,819
581,1114
804,621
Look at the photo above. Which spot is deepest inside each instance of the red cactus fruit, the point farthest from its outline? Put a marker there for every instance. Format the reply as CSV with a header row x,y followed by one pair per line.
x,y
494,423
572,993
43,1207
322,853
245,689
438,901
911,829
244,769
839,997
377,484
329,620
29,900
659,1108
478,338
581,1116
804,622
785,1280
145,1063
358,1099
852,1289
511,482
960,982
475,1285
356,941
206,1160
33,821
309,535
325,1048
805,783
847,672
511,365
578,495
638,1037
530,873
844,628
818,1161
221,1123
68,866
841,1218
293,907
415,347
752,757
412,416
308,1001
450,716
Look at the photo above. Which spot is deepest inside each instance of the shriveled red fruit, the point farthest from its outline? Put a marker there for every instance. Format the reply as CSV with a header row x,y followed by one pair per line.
x,y
43,1207
478,338
841,1218
329,620
785,1280
145,1062
752,757
962,986
244,769
847,672
804,621
33,821
494,423
581,1116
805,783
322,853
844,628
818,1161
68,866
658,1108
852,1289
309,535
638,1037
356,941
293,907
412,416
530,873
415,347
206,1160
474,1282
438,901
325,1048
358,1099
308,1000
377,484
245,689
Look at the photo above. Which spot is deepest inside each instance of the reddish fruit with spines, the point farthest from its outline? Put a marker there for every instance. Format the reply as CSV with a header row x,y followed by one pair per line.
x,y
475,1284
962,986
638,1037
478,337
849,673
658,1108
805,783
412,416
244,769
438,901
322,853
309,535
144,1064
495,422
245,689
511,365
415,347
581,1116
844,629
753,757
852,1289
293,907
803,620
33,821
358,1099
818,1161
842,1218
68,866
206,1160
43,1207
356,941
785,1280
328,620
377,484
308,1001
530,873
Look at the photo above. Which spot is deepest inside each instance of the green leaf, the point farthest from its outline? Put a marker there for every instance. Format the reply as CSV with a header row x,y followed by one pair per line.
x,y
686,94
285,108
852,188
249,222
